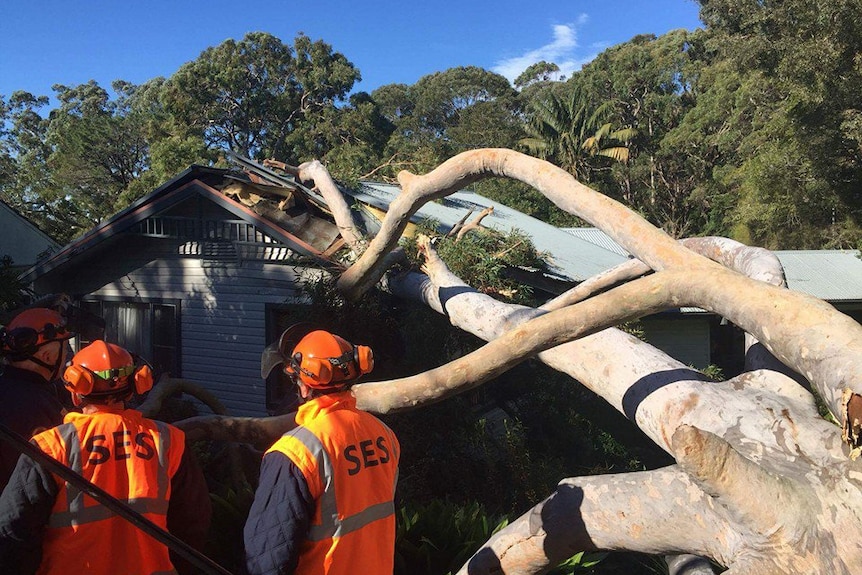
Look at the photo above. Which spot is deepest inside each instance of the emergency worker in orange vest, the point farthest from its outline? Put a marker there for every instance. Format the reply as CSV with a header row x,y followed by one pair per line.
x,y
325,500
33,348
50,528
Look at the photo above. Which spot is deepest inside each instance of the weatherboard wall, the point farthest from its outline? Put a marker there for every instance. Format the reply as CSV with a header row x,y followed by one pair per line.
x,y
686,339
222,320
222,306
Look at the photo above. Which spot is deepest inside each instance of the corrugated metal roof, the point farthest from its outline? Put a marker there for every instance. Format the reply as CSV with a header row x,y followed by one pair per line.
x,y
569,257
598,237
831,275
576,254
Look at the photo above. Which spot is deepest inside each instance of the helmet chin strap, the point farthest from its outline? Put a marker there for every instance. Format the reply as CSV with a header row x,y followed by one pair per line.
x,y
55,367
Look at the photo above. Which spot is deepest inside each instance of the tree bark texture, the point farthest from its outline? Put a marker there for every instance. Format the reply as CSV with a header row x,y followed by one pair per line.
x,y
762,484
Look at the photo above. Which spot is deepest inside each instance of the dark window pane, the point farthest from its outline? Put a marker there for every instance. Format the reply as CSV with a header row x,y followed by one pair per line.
x,y
164,361
128,325
149,330
165,325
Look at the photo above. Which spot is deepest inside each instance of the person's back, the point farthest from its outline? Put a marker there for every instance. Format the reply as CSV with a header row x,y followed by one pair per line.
x,y
355,457
133,459
49,527
33,347
325,499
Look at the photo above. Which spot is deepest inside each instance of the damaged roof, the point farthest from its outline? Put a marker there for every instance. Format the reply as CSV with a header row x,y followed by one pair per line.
x,y
297,217
569,259
270,205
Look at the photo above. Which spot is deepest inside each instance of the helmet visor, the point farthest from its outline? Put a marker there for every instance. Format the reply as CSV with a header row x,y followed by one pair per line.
x,y
116,373
270,359
276,353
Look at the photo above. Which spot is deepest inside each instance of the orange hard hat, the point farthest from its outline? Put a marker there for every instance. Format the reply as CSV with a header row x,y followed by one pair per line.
x,y
323,360
104,368
31,329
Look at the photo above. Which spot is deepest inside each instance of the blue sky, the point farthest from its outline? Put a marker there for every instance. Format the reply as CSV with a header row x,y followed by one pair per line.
x,y
70,42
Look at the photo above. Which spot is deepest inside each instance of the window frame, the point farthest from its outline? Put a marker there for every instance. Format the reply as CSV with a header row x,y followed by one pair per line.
x,y
176,303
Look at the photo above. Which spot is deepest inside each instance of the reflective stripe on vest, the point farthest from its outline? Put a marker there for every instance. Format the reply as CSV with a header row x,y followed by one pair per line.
x,y
78,513
331,525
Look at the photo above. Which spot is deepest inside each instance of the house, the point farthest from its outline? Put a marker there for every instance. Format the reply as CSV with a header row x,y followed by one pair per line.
x,y
20,239
205,271
198,275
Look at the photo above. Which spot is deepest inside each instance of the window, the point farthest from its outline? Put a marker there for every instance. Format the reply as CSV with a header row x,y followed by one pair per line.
x,y
150,330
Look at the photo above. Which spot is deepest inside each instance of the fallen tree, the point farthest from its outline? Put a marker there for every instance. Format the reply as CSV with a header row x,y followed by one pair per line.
x,y
762,483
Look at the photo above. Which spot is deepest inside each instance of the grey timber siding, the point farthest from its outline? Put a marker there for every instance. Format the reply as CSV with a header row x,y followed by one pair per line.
x,y
686,339
222,319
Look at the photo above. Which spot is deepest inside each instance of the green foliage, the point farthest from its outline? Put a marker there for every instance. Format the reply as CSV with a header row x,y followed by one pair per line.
x,y
482,256
83,163
351,138
649,85
11,290
539,72
568,129
439,537
579,562
750,127
446,113
571,431
713,372
225,542
99,150
259,96
23,157
798,97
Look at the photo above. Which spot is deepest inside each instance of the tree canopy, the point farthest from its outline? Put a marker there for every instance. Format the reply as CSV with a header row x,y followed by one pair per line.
x,y
750,127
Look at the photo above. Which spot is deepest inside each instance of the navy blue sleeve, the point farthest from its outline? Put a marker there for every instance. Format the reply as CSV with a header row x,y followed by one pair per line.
x,y
25,507
279,518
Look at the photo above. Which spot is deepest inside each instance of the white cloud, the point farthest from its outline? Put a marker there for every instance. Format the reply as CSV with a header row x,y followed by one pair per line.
x,y
562,51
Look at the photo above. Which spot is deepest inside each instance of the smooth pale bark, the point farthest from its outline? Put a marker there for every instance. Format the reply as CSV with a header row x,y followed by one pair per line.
x,y
827,357
316,172
258,431
762,484
754,446
795,460
756,263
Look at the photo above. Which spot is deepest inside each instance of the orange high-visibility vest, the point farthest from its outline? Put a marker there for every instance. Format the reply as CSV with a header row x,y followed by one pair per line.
x,y
350,462
133,459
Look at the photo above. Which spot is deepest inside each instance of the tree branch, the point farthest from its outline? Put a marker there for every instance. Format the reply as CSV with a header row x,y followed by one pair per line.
x,y
620,511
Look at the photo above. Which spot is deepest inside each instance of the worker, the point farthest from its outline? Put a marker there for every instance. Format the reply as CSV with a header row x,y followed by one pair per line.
x,y
49,526
33,348
325,499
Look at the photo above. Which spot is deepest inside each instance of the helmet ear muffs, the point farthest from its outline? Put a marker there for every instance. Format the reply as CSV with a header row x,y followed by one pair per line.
x,y
143,379
364,359
78,379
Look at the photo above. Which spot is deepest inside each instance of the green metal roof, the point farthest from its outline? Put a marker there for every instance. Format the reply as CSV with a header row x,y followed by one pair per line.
x,y
831,275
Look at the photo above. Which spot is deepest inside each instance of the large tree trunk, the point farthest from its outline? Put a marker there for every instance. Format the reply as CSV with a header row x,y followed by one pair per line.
x,y
762,484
